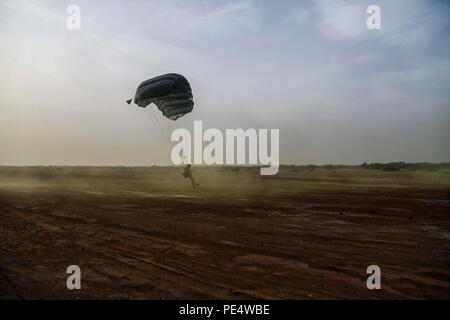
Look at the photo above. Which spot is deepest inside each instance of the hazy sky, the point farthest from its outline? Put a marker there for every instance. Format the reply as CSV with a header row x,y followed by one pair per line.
x,y
338,92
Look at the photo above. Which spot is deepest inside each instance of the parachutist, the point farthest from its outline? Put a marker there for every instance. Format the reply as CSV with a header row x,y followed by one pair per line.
x,y
187,173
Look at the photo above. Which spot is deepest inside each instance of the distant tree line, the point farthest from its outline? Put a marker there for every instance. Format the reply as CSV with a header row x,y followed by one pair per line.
x,y
47,171
398,166
391,166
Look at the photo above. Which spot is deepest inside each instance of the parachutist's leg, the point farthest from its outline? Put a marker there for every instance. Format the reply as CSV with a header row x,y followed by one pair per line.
x,y
194,183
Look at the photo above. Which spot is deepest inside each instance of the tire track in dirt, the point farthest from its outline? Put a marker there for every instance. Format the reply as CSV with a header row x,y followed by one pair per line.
x,y
147,249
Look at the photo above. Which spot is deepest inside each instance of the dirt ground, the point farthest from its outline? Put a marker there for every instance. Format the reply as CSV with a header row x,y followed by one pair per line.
x,y
143,233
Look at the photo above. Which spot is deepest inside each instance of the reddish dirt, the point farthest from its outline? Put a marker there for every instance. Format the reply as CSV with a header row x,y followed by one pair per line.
x,y
313,245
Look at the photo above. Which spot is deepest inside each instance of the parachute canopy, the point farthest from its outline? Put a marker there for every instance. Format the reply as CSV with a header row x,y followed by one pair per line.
x,y
171,93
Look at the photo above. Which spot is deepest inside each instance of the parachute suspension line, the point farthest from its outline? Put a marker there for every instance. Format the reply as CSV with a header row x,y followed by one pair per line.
x,y
172,125
180,123
153,119
149,117
177,124
165,126
169,124
161,124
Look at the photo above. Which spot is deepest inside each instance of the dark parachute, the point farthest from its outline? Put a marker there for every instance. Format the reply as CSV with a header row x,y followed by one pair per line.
x,y
171,93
